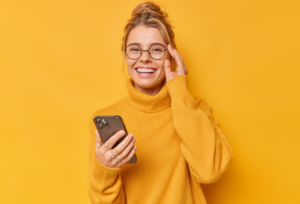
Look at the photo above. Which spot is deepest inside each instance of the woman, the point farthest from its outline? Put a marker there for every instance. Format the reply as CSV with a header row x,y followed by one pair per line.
x,y
180,143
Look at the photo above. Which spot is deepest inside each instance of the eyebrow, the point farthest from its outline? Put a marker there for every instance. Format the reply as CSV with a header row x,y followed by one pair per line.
x,y
135,43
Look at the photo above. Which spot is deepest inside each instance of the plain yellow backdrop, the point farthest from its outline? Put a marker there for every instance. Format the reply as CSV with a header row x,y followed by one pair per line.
x,y
61,61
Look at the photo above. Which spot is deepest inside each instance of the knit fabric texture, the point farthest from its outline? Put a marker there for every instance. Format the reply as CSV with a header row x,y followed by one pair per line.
x,y
179,146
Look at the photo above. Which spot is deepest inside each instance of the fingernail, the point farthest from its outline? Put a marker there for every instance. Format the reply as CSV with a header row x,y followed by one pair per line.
x,y
130,135
133,140
122,132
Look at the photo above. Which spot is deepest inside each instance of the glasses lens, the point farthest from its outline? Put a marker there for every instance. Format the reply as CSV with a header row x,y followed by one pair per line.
x,y
157,51
133,51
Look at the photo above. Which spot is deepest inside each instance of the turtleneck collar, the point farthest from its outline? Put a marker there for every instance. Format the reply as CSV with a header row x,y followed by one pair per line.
x,y
145,102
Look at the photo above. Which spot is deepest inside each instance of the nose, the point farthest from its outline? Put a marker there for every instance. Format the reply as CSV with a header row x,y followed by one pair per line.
x,y
145,57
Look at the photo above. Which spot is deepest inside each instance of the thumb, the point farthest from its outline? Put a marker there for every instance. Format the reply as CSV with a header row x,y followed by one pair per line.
x,y
98,140
167,66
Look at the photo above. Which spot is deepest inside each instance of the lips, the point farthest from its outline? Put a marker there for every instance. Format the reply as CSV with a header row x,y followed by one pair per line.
x,y
145,71
145,68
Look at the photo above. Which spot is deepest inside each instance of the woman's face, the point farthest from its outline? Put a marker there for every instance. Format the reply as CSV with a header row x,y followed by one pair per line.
x,y
145,37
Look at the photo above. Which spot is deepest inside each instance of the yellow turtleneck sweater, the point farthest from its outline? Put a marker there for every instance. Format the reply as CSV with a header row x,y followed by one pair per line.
x,y
179,145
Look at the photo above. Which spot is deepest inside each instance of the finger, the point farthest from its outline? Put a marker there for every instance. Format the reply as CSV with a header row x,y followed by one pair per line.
x,y
120,147
179,55
167,66
183,68
113,139
126,151
177,59
98,142
108,157
129,156
171,50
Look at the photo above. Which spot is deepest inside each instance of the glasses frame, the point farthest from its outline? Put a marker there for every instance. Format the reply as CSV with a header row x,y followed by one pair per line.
x,y
146,50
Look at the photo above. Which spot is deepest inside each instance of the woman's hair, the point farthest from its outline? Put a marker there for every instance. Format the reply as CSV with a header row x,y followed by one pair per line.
x,y
149,14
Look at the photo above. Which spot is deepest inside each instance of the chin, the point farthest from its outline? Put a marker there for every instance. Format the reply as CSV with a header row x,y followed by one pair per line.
x,y
145,83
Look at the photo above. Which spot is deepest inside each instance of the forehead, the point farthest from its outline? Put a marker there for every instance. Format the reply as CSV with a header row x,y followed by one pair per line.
x,y
145,36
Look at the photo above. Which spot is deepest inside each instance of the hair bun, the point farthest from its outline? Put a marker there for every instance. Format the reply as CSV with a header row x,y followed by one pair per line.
x,y
147,10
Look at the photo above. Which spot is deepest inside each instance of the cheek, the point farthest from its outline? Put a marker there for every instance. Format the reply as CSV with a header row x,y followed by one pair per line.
x,y
161,64
129,63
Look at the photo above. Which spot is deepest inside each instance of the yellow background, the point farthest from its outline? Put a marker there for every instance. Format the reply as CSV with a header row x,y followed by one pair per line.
x,y
61,61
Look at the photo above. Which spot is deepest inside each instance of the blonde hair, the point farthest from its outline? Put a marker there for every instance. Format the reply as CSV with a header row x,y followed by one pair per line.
x,y
150,14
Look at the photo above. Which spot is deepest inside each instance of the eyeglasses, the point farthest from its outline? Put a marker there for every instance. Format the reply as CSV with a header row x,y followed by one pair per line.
x,y
156,51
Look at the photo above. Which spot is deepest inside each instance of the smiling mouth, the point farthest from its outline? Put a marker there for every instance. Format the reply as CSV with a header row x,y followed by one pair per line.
x,y
145,70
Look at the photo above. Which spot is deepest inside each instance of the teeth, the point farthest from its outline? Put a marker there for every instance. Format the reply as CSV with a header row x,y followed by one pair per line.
x,y
143,70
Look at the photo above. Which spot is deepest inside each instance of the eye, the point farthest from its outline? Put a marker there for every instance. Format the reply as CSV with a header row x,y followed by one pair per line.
x,y
157,48
134,49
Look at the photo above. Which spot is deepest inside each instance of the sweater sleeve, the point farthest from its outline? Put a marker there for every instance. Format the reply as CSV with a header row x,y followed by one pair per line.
x,y
203,144
105,183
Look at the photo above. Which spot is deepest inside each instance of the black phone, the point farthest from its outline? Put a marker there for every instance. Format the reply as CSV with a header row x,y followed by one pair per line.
x,y
108,125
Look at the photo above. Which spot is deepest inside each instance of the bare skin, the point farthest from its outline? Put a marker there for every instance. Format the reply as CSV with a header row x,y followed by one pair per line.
x,y
124,151
145,36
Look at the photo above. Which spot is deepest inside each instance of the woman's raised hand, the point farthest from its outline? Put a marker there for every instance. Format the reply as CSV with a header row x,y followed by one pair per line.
x,y
180,70
122,153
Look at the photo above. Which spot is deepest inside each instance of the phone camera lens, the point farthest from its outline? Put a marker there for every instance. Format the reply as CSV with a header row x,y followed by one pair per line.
x,y
98,120
100,126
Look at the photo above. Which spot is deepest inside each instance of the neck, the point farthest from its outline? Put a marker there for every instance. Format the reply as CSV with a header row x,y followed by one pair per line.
x,y
145,102
150,91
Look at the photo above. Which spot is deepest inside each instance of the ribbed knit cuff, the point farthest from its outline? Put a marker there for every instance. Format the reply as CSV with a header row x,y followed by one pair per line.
x,y
103,175
178,90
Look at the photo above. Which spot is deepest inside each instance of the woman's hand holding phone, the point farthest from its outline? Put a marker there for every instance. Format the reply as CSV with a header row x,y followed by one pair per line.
x,y
122,153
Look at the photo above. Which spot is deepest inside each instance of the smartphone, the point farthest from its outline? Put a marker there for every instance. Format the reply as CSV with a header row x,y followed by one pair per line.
x,y
108,125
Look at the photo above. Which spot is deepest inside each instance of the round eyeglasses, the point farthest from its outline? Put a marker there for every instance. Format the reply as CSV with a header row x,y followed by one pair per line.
x,y
156,51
